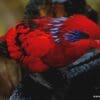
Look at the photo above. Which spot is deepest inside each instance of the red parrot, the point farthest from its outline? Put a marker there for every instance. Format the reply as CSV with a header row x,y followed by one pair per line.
x,y
54,43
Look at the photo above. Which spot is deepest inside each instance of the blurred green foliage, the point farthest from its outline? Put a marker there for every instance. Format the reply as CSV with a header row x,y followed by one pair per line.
x,y
10,12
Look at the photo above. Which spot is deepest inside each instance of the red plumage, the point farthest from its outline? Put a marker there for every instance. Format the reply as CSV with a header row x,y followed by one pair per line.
x,y
82,23
42,50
